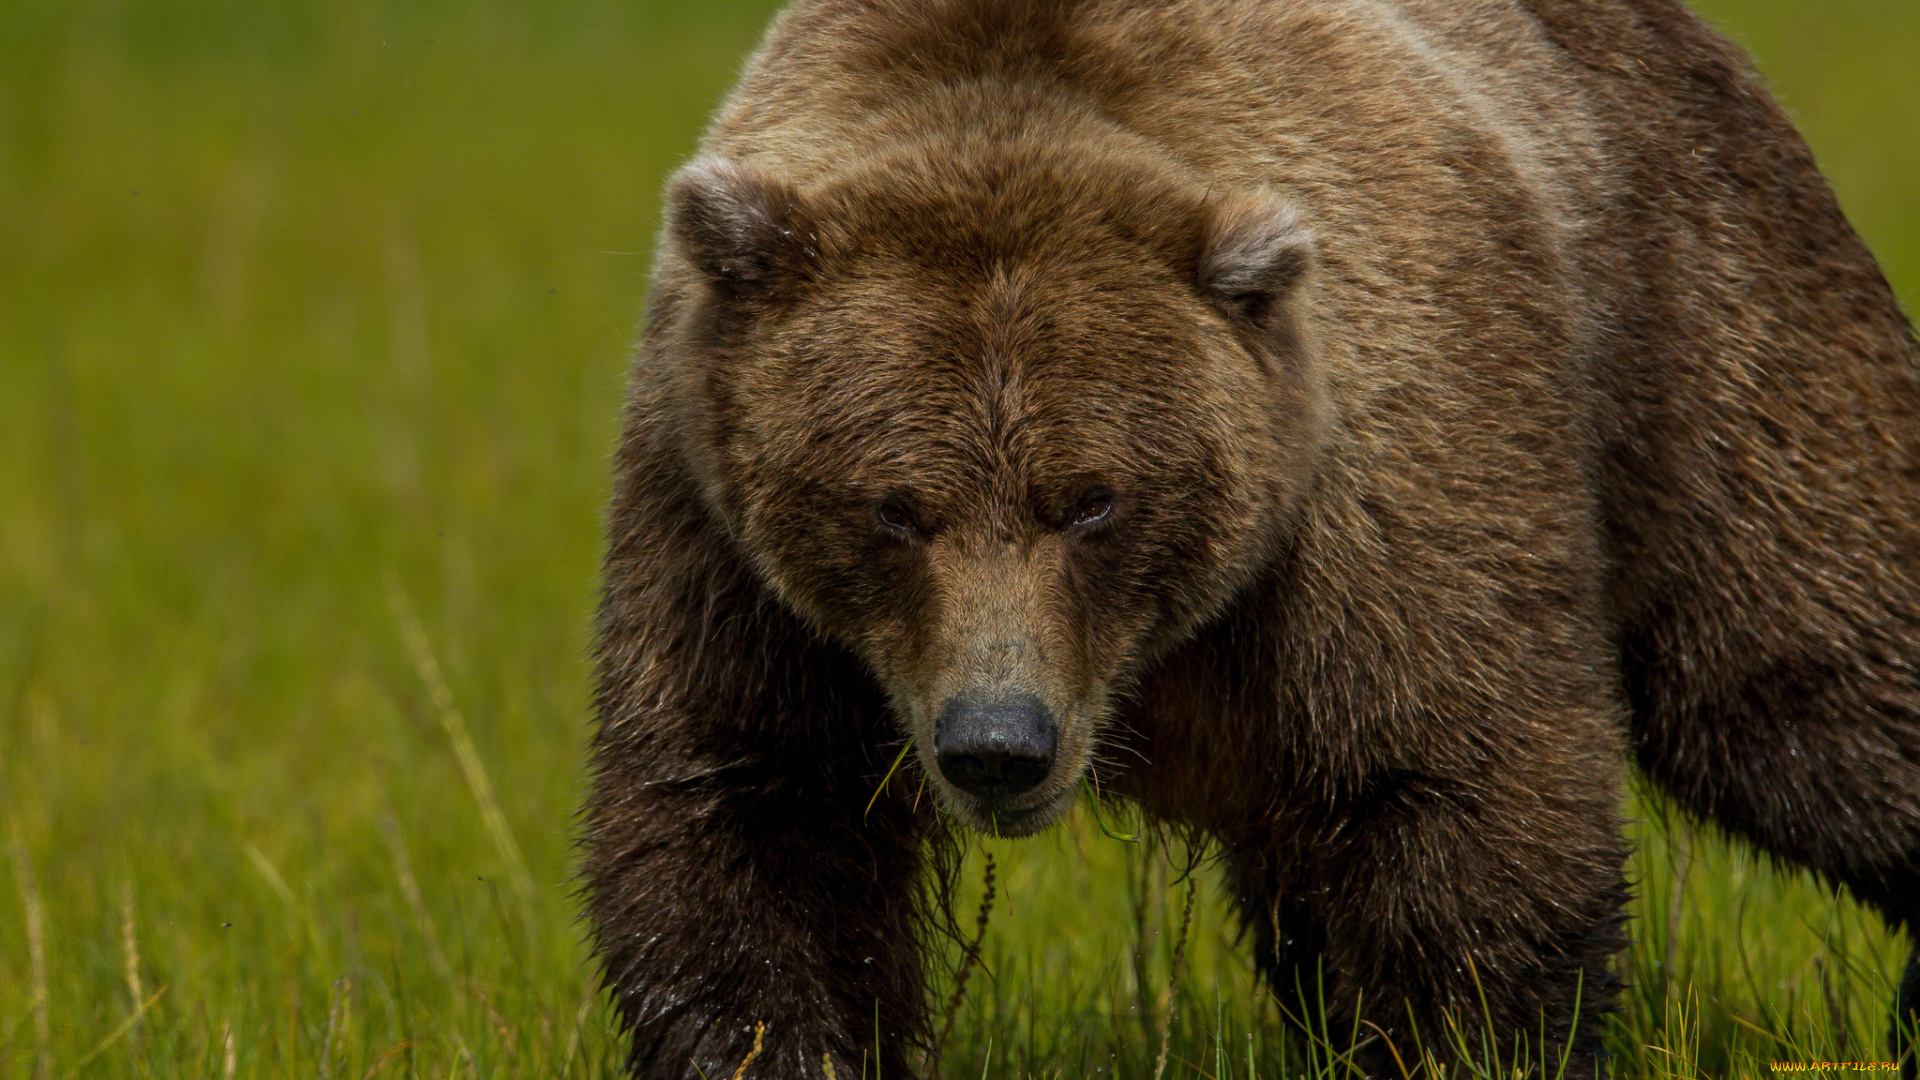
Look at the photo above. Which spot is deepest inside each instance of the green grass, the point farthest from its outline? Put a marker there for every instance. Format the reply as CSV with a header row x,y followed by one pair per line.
x,y
312,324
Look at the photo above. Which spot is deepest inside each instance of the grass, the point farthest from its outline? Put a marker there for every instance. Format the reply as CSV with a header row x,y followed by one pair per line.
x,y
311,345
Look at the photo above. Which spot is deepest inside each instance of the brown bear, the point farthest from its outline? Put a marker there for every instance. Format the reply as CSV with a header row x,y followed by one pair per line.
x,y
1348,428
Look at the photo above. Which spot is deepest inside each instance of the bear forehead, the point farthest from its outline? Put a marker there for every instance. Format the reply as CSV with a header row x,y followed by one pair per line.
x,y
989,264
931,346
975,201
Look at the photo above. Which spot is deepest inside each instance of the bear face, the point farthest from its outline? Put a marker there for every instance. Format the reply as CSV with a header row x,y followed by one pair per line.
x,y
1004,468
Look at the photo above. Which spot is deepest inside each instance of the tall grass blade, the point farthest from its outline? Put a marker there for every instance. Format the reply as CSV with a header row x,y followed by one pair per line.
x,y
455,724
36,960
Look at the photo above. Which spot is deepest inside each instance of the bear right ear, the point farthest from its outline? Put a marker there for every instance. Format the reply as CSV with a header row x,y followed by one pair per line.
x,y
1255,255
746,233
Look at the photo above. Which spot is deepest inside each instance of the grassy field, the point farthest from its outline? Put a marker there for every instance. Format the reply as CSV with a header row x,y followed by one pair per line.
x,y
312,324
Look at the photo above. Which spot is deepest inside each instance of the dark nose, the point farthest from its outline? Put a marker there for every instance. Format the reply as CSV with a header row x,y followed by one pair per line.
x,y
995,749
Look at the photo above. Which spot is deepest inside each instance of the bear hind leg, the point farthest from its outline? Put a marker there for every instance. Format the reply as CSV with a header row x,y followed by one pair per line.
x,y
1814,760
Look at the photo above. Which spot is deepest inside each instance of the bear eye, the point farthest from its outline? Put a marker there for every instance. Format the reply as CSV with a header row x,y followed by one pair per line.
x,y
895,516
1094,506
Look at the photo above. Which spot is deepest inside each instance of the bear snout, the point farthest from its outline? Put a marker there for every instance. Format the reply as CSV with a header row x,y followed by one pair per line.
x,y
995,750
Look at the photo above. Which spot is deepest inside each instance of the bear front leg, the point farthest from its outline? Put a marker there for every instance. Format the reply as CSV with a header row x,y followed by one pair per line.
x,y
741,893
1289,934
739,910
1459,908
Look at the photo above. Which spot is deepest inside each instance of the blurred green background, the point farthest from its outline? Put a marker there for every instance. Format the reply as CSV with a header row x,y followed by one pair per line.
x,y
313,318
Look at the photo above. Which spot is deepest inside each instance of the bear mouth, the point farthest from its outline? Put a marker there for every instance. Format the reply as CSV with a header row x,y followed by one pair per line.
x,y
1001,821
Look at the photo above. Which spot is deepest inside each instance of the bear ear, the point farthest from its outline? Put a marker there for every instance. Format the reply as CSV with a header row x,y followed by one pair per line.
x,y
746,233
1255,255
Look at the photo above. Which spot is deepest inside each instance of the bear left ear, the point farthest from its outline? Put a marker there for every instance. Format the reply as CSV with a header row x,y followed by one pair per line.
x,y
1256,253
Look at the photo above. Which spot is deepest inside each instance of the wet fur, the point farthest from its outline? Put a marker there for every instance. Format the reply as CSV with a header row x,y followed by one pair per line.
x,y
1520,400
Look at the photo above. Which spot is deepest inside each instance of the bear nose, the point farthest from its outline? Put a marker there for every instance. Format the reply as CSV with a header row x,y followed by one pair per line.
x,y
995,750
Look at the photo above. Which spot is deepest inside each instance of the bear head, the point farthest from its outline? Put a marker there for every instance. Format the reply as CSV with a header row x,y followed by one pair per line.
x,y
1008,423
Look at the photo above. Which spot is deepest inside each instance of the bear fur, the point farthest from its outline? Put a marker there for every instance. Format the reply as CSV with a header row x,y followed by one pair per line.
x,y
1349,428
